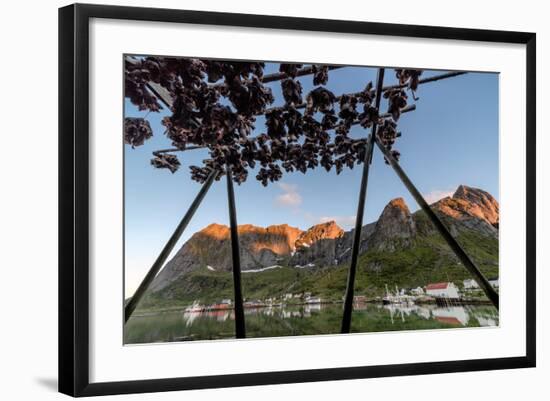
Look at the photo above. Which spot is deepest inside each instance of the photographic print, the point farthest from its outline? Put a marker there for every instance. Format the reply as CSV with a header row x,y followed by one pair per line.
x,y
269,199
253,209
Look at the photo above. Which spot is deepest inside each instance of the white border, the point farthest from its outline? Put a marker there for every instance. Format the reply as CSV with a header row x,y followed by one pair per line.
x,y
111,361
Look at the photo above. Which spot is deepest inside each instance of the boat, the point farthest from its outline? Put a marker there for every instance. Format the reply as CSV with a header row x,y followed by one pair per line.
x,y
195,308
223,305
389,298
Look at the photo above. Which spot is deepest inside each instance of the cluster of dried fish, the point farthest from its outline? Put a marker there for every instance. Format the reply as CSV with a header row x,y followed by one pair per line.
x,y
136,131
215,105
410,78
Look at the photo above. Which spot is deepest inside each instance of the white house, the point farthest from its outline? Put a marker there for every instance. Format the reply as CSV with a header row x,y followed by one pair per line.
x,y
486,321
470,284
442,290
494,282
313,300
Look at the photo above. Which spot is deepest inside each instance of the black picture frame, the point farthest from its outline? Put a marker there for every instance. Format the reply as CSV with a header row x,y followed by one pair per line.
x,y
74,198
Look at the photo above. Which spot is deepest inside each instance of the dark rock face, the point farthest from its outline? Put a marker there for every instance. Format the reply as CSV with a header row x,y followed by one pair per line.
x,y
318,245
329,252
260,247
394,228
327,244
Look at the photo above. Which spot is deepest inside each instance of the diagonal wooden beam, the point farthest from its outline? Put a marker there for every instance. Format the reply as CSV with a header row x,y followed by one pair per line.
x,y
348,298
159,262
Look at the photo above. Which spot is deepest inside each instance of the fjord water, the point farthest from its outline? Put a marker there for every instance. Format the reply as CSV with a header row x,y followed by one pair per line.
x,y
303,320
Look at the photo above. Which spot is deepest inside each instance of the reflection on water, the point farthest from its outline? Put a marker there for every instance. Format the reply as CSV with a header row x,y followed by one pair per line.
x,y
452,315
282,312
307,319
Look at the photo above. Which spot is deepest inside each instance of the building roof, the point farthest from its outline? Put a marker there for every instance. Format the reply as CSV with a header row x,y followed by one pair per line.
x,y
437,286
448,320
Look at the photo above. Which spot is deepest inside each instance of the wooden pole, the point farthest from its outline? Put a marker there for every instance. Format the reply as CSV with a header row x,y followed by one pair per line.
x,y
430,79
171,150
240,331
153,271
453,243
348,298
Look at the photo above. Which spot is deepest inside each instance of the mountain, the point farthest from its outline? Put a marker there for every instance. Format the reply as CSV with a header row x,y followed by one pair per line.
x,y
395,228
399,248
328,230
211,248
319,245
472,207
413,252
260,247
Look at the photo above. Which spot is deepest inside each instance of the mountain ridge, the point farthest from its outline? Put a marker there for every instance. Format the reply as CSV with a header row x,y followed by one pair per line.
x,y
469,211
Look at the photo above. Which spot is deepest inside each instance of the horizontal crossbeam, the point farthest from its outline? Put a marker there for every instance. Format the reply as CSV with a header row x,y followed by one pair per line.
x,y
385,88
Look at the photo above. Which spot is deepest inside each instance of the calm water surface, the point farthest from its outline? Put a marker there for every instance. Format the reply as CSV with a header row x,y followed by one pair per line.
x,y
303,320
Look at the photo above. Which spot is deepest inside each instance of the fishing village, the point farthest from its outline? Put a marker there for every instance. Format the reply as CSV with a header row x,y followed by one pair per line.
x,y
442,294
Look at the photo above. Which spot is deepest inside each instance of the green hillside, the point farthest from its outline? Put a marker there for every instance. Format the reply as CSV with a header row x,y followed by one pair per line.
x,y
428,260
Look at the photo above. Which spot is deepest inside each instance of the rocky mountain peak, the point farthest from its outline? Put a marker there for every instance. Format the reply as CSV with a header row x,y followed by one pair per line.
x,y
471,203
215,230
285,229
395,224
328,230
395,209
467,193
398,203
276,239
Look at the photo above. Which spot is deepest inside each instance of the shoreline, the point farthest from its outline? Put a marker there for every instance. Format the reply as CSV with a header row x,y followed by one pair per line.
x,y
180,308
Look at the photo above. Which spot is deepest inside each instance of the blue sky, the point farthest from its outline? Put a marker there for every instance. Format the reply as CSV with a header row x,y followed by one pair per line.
x,y
450,139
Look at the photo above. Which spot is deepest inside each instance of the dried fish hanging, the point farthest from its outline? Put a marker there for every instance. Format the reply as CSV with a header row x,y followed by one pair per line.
x,y
293,140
